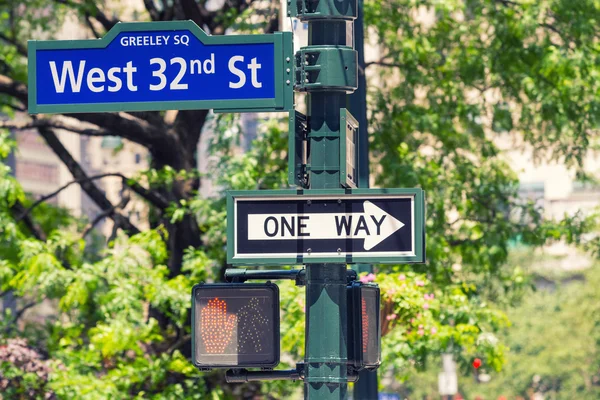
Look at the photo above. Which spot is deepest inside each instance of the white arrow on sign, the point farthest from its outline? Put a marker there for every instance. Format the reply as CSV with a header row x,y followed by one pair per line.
x,y
374,225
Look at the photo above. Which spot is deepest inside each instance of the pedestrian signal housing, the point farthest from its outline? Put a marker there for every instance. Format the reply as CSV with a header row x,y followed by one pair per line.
x,y
235,325
364,326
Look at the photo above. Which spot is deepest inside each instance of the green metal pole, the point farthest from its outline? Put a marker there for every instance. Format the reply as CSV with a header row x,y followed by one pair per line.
x,y
326,373
326,319
326,69
358,100
366,387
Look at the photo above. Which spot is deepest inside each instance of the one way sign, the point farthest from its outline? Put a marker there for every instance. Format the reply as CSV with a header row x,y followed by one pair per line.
x,y
287,227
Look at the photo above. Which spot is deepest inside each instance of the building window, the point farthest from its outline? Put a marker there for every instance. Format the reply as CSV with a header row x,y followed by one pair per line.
x,y
532,191
138,158
29,170
585,187
30,139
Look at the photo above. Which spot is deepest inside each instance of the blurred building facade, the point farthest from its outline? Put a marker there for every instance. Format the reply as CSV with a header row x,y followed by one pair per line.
x,y
41,172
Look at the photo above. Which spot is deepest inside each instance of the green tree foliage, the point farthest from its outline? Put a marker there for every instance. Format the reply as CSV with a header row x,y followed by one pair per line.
x,y
553,344
121,328
455,79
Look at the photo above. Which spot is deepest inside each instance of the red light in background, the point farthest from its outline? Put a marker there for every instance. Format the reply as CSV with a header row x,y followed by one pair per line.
x,y
476,363
216,327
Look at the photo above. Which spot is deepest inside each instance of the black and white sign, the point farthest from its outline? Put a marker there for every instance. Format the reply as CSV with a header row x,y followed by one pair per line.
x,y
284,227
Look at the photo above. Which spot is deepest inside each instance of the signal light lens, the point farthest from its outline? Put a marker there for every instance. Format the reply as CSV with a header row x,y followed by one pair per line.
x,y
364,326
235,325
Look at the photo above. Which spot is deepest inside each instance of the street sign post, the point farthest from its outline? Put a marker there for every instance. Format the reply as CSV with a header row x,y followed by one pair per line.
x,y
325,226
152,66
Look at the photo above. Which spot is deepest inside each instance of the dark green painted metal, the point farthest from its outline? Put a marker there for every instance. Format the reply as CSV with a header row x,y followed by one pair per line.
x,y
348,127
419,256
324,68
297,160
333,75
283,61
366,387
326,358
298,129
288,78
358,101
322,9
324,139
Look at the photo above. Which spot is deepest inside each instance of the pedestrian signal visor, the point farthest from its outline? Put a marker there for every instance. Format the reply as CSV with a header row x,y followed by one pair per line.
x,y
235,325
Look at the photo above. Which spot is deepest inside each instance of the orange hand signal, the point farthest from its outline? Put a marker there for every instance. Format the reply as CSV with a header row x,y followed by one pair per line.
x,y
216,326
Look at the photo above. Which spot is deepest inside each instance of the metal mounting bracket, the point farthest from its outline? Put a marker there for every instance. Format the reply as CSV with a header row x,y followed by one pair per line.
x,y
323,9
298,149
326,68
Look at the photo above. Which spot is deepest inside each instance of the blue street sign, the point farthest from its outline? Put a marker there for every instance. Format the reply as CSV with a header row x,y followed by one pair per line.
x,y
161,66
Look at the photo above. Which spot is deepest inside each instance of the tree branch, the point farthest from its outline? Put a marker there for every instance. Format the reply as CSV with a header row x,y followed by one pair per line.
x,y
273,21
12,88
131,128
18,209
151,8
178,343
94,12
86,184
122,124
90,25
55,124
159,142
167,12
149,134
216,27
152,117
196,12
105,214
188,124
507,3
26,307
16,108
57,191
96,221
4,67
382,63
152,197
20,48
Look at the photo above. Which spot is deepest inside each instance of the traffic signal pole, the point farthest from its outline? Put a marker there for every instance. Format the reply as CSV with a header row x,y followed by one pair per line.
x,y
328,72
366,387
326,316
